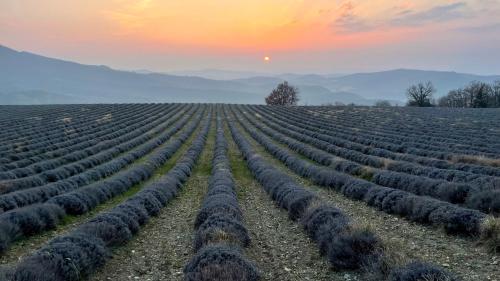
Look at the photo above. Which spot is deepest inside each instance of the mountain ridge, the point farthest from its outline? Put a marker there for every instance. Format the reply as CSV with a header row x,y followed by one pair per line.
x,y
24,74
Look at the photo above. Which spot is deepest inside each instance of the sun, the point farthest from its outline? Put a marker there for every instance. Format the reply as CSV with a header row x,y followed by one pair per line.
x,y
267,59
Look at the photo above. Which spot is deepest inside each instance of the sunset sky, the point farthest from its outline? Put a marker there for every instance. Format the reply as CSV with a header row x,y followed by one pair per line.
x,y
321,36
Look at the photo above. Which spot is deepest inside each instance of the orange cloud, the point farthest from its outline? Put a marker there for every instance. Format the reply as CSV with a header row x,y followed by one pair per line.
x,y
228,25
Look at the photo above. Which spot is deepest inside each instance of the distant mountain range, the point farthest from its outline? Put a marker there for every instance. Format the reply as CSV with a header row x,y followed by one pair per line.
x,y
27,78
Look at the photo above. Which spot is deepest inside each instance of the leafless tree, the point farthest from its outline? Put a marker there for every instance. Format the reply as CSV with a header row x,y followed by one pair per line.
x,y
455,98
383,103
420,94
495,94
284,94
476,94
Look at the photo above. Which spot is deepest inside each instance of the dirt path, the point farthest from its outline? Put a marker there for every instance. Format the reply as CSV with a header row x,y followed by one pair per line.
x,y
280,248
162,248
417,241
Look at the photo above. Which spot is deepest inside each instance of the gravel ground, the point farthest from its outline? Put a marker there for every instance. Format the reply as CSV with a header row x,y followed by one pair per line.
x,y
280,248
163,246
459,255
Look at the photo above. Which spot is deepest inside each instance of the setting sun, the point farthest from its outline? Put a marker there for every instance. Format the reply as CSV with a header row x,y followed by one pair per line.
x,y
317,36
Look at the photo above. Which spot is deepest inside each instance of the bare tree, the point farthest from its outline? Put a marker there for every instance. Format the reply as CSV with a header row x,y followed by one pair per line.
x,y
495,94
383,103
420,94
478,94
455,98
284,94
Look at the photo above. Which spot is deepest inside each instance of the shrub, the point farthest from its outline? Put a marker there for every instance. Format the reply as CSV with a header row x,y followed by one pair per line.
x,y
352,249
221,228
490,234
485,201
458,220
220,262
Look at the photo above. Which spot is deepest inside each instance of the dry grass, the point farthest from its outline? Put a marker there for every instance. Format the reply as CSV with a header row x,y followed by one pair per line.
x,y
313,204
433,278
476,159
225,272
490,235
390,257
104,119
386,162
367,173
220,236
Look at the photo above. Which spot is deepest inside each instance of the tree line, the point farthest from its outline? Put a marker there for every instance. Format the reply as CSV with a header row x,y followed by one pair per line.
x,y
475,95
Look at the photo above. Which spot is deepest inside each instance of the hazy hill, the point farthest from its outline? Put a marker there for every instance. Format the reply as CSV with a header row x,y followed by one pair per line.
x,y
218,74
26,78
391,84
21,72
